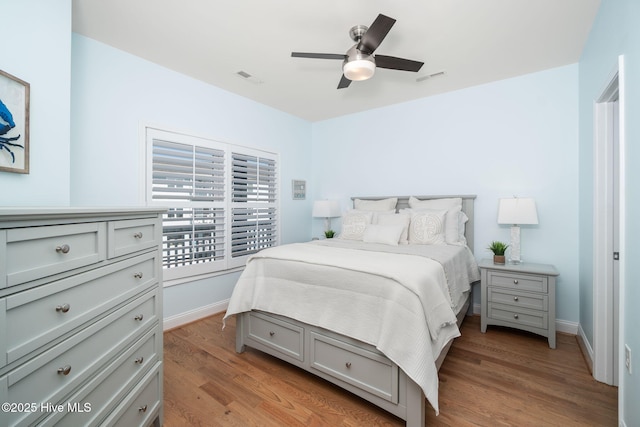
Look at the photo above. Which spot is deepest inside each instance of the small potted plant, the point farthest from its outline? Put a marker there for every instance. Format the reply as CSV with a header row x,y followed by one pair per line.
x,y
498,249
329,234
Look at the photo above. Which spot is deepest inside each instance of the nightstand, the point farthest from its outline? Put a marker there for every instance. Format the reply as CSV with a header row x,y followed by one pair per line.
x,y
521,296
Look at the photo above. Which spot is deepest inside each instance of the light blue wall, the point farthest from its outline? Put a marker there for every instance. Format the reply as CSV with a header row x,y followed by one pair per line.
x,y
512,137
615,32
36,47
113,93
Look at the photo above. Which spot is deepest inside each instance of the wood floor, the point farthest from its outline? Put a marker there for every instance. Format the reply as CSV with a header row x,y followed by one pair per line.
x,y
501,378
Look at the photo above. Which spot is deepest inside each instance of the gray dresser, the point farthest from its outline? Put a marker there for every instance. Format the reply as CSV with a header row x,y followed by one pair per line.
x,y
81,316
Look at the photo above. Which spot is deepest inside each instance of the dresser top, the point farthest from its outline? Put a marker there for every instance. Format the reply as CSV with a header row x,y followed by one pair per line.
x,y
523,267
10,217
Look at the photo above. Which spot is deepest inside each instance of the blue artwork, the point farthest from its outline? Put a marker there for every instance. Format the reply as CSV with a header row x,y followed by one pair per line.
x,y
6,124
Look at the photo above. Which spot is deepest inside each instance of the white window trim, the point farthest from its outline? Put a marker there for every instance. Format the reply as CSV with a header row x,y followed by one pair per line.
x,y
228,265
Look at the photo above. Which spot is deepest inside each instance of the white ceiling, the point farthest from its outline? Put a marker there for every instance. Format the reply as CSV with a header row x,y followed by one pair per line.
x,y
473,41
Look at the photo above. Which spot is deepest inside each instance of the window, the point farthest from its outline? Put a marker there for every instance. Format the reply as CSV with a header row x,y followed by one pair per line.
x,y
222,201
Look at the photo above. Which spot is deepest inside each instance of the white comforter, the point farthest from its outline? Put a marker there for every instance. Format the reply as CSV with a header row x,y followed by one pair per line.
x,y
399,303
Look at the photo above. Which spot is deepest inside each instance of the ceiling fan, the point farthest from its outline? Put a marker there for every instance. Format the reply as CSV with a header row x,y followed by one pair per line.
x,y
359,63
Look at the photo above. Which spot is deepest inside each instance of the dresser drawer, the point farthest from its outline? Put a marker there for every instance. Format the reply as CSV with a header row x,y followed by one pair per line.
x,y
518,317
108,388
282,336
36,252
518,299
130,236
142,409
525,282
364,369
49,376
40,315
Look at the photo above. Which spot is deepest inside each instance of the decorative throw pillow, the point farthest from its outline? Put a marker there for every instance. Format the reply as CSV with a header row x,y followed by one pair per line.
x,y
385,234
427,227
376,205
453,205
354,223
397,219
374,214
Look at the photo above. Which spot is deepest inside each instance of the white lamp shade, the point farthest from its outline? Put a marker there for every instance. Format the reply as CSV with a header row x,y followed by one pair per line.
x,y
359,69
326,209
517,211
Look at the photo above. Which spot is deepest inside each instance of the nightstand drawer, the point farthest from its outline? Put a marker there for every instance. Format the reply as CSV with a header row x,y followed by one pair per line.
x,y
518,317
518,299
525,282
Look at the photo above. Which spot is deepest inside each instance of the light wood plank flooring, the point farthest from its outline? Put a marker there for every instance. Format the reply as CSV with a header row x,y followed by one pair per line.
x,y
501,378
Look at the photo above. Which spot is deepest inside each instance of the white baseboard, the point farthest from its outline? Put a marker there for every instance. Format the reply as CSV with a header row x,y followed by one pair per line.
x,y
585,346
561,325
193,315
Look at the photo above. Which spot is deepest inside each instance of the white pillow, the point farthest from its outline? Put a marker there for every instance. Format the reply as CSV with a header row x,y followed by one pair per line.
x,y
354,223
397,219
385,234
376,205
453,206
374,214
462,221
427,227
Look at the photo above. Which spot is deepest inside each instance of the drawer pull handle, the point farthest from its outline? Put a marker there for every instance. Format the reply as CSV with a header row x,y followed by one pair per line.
x,y
348,365
142,408
515,316
515,298
139,317
515,281
63,308
63,249
138,275
139,360
64,370
138,235
271,333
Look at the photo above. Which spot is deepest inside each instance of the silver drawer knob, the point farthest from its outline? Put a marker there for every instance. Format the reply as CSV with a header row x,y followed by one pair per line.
x,y
138,275
515,298
139,317
515,281
139,360
63,249
64,370
63,308
515,316
138,235
271,333
348,365
142,408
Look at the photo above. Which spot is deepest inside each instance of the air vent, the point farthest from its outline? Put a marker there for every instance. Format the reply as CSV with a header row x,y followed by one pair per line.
x,y
248,77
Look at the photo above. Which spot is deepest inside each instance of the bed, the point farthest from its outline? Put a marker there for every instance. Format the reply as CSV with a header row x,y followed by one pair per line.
x,y
372,316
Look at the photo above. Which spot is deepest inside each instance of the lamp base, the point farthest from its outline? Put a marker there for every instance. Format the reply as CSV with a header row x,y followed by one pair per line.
x,y
515,246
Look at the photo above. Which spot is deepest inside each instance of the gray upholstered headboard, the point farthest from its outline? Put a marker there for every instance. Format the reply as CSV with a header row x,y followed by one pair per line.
x,y
467,208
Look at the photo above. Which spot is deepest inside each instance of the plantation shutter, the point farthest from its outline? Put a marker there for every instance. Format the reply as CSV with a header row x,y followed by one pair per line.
x,y
190,180
254,224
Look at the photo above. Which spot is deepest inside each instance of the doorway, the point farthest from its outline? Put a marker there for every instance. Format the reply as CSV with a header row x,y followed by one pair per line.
x,y
608,227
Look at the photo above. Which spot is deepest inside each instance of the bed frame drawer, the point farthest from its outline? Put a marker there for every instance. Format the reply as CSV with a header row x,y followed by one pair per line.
x,y
354,365
277,334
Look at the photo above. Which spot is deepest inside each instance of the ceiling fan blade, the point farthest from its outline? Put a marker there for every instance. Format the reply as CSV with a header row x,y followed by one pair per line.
x,y
394,63
375,34
318,55
344,82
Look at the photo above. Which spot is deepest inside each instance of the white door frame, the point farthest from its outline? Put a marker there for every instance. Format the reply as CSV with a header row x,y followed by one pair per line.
x,y
603,321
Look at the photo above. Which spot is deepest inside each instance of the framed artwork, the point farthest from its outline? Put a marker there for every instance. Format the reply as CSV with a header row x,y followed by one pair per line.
x,y
14,124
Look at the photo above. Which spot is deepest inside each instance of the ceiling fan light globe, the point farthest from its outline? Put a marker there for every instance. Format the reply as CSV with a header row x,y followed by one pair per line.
x,y
359,69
